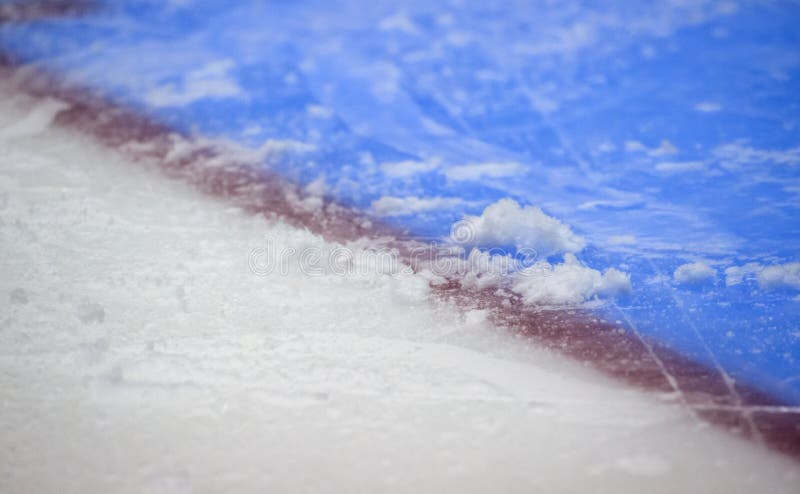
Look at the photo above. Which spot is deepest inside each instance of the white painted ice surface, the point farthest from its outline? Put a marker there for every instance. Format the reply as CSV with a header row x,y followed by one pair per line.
x,y
139,353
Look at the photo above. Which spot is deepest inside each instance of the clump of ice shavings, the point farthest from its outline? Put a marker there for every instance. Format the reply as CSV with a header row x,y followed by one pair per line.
x,y
773,277
507,223
289,251
38,116
694,273
535,279
568,283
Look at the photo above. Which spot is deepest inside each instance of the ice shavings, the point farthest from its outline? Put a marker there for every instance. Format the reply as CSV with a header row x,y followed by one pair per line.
x,y
568,283
507,223
735,275
773,277
735,155
209,81
402,206
675,167
407,168
480,171
707,107
622,240
780,276
665,148
694,273
536,237
482,269
38,118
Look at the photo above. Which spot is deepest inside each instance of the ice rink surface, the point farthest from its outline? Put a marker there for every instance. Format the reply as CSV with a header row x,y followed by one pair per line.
x,y
640,159
140,353
665,134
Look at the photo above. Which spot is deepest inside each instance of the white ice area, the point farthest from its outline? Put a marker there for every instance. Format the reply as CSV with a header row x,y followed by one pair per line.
x,y
139,353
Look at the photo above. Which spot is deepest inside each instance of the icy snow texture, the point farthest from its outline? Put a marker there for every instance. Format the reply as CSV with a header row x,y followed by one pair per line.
x,y
737,274
505,222
401,206
537,235
694,273
480,171
774,277
408,168
204,377
780,276
568,283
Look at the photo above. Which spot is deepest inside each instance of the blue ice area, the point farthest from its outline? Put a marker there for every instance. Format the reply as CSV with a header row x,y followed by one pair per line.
x,y
663,132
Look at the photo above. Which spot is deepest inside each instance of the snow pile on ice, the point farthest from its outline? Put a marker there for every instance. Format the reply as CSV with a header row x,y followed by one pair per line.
x,y
480,171
402,206
780,276
737,274
507,223
568,283
37,119
774,277
213,80
694,273
407,168
534,233
481,269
